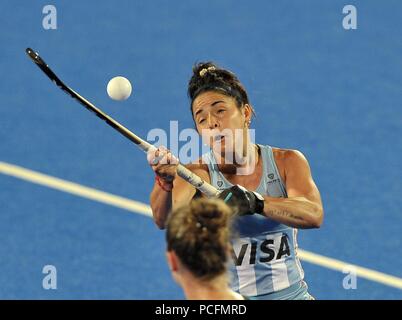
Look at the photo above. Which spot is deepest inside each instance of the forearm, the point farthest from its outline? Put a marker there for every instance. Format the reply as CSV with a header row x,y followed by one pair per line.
x,y
297,212
161,204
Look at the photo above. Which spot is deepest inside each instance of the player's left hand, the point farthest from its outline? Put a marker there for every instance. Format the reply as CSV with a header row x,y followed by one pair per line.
x,y
242,200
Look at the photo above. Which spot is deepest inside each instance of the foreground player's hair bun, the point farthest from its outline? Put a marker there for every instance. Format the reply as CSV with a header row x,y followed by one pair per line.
x,y
199,233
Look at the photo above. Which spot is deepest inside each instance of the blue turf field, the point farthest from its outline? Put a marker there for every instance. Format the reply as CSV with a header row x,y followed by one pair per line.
x,y
333,94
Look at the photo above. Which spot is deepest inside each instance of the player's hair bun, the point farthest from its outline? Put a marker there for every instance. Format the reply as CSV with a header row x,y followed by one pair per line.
x,y
212,217
199,234
207,76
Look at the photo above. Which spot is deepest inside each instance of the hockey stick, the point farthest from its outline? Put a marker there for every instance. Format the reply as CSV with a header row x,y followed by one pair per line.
x,y
182,171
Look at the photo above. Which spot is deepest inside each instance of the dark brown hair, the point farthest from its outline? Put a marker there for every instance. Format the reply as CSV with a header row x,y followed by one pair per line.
x,y
199,234
207,76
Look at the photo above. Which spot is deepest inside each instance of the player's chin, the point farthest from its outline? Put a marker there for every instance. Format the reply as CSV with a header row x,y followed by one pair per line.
x,y
222,148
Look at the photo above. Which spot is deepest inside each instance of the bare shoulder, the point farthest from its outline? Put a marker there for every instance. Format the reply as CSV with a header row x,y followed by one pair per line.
x,y
288,158
288,155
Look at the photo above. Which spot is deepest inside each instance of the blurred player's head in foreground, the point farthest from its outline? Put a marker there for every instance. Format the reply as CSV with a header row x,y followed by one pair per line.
x,y
198,248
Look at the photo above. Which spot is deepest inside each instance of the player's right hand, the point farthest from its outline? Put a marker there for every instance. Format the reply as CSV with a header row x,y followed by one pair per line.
x,y
163,163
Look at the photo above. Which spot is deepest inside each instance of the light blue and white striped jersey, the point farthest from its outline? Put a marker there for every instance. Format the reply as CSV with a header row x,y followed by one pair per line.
x,y
264,251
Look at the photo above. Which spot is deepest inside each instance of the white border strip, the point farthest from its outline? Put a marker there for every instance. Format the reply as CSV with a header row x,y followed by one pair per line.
x,y
138,207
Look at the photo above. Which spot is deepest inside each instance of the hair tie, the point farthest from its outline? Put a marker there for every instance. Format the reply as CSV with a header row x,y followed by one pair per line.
x,y
201,226
205,70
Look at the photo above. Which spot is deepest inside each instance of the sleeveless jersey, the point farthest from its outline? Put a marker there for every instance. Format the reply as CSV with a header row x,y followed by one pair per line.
x,y
264,251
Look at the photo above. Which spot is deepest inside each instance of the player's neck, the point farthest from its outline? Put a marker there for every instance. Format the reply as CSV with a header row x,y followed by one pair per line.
x,y
251,157
216,289
243,163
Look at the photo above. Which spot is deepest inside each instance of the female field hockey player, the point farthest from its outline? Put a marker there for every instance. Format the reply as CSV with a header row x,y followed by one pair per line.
x,y
271,188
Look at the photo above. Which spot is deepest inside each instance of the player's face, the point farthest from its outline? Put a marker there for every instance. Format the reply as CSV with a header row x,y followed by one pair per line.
x,y
219,121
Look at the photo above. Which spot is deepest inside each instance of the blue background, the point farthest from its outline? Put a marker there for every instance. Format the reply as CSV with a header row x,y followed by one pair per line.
x,y
333,94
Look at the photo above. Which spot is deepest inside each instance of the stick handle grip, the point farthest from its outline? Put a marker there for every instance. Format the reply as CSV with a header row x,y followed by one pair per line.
x,y
197,182
186,174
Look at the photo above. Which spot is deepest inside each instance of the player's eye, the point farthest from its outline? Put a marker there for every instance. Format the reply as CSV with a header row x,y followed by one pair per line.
x,y
201,120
